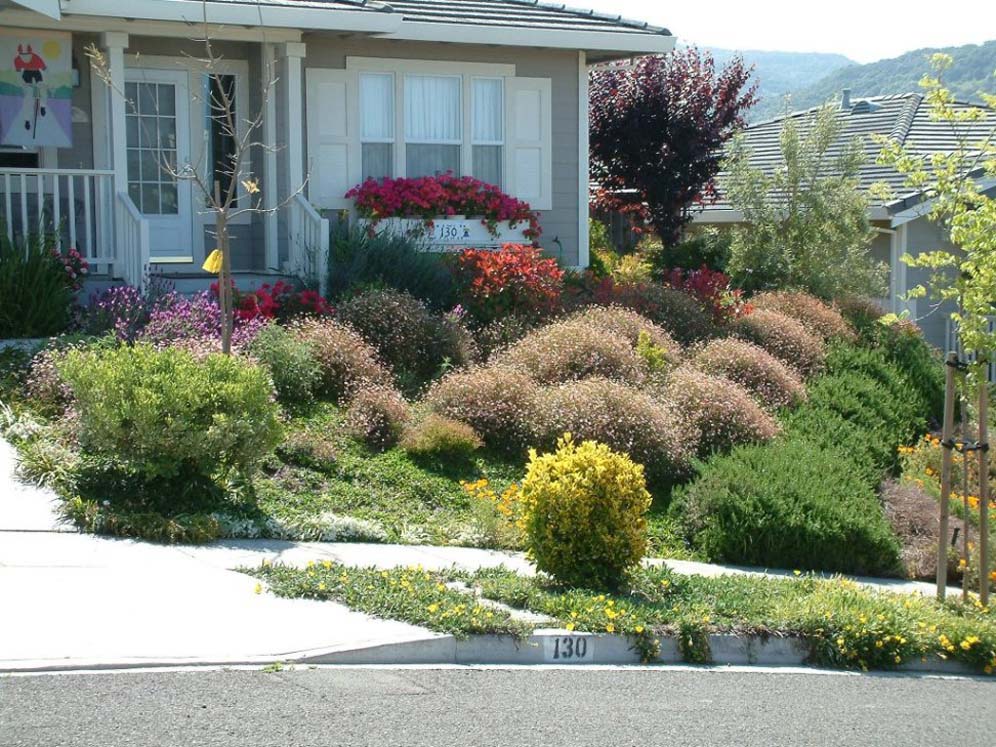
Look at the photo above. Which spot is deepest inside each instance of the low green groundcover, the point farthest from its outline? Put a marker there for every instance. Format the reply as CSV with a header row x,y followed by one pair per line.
x,y
845,624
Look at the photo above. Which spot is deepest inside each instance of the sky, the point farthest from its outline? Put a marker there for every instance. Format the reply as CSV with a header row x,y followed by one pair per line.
x,y
864,30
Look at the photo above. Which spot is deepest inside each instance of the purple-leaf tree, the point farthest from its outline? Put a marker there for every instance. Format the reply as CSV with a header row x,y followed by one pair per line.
x,y
658,127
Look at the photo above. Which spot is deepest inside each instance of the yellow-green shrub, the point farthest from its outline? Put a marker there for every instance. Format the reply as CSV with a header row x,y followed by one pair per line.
x,y
586,509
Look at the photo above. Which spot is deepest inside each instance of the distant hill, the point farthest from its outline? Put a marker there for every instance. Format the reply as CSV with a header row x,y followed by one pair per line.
x,y
973,69
781,73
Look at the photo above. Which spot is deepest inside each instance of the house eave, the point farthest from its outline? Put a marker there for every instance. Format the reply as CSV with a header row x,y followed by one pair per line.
x,y
241,14
598,44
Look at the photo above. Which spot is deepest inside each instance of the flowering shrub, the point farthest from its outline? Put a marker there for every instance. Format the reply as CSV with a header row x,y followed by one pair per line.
x,y
344,360
569,350
517,279
771,381
280,300
586,508
502,332
123,310
498,517
711,288
75,266
862,313
721,411
678,312
377,416
496,402
433,196
784,338
195,322
623,418
436,435
410,338
48,391
627,323
811,312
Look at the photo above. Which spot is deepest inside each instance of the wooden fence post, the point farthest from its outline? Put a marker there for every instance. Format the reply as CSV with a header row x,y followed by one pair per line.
x,y
947,453
984,490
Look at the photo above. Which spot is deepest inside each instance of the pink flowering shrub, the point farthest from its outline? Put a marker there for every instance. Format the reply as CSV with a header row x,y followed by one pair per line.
x,y
433,196
723,413
195,324
76,267
785,338
816,316
771,381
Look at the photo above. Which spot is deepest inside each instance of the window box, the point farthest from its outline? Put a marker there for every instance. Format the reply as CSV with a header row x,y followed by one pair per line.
x,y
449,233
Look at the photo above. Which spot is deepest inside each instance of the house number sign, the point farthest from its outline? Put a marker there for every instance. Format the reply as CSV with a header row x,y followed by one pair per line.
x,y
569,649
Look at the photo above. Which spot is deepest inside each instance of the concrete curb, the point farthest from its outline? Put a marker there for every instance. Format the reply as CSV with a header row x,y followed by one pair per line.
x,y
545,647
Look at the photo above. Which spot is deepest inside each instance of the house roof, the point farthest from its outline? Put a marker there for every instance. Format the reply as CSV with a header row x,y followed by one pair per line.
x,y
903,117
527,23
530,14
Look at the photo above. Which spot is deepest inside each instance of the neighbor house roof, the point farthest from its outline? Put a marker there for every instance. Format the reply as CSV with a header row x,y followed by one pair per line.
x,y
904,118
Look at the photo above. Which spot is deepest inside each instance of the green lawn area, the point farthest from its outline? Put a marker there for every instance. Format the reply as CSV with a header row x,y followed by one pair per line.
x,y
844,624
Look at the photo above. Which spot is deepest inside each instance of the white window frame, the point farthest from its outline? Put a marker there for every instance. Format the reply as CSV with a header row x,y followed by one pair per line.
x,y
466,71
504,125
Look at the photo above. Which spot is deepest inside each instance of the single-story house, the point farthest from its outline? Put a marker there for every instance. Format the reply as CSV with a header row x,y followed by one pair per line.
x,y
495,89
901,224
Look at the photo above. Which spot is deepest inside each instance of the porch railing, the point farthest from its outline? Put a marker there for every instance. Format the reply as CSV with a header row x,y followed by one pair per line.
x,y
74,206
309,241
133,241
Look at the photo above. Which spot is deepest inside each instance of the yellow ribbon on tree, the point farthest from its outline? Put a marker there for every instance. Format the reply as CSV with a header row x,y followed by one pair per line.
x,y
213,263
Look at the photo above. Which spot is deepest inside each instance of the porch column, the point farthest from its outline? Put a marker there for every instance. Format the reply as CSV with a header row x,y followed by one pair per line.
x,y
112,131
270,178
292,107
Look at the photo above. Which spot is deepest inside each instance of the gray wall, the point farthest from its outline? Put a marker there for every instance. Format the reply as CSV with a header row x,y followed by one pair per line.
x,y
327,51
924,236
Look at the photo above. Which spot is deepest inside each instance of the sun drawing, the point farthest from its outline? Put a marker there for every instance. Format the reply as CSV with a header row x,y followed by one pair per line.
x,y
51,49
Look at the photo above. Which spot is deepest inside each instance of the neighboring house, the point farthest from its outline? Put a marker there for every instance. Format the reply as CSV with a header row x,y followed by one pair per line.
x,y
496,89
901,223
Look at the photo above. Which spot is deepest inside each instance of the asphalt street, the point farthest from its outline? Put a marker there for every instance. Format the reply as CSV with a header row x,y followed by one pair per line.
x,y
521,707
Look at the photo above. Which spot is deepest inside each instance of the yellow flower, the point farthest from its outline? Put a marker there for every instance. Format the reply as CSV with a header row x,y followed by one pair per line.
x,y
570,626
797,572
327,564
433,608
321,587
259,588
638,629
610,628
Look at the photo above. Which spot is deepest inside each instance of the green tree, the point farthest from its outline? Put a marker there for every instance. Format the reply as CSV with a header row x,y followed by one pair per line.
x,y
806,223
951,181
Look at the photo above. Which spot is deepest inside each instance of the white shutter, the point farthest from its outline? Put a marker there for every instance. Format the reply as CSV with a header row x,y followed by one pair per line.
x,y
333,137
529,153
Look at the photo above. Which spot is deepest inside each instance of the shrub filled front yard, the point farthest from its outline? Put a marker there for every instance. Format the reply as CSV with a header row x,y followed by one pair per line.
x,y
763,427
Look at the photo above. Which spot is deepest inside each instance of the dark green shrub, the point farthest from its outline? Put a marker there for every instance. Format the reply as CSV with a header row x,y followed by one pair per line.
x,y
790,504
36,294
295,371
902,343
358,260
164,414
862,314
411,339
705,248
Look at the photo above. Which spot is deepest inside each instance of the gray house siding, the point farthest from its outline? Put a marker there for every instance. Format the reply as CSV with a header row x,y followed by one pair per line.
x,y
924,236
560,225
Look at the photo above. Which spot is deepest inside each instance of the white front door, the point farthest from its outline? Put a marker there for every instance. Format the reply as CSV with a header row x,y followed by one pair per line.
x,y
158,134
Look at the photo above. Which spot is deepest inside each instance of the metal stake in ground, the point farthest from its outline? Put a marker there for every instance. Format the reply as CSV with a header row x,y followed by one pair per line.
x,y
948,445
